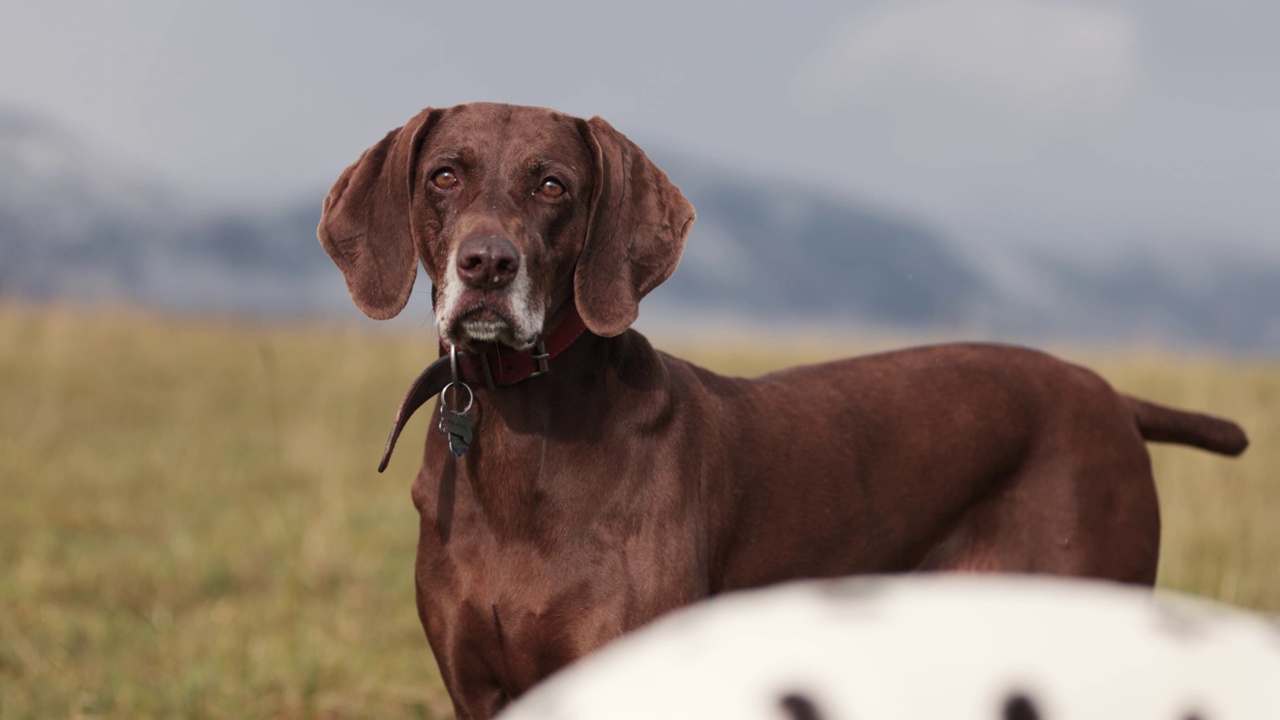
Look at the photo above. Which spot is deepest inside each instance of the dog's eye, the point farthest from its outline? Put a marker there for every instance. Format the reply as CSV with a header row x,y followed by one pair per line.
x,y
551,188
444,179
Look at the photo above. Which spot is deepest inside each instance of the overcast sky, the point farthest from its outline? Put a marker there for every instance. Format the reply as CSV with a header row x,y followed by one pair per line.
x,y
1061,123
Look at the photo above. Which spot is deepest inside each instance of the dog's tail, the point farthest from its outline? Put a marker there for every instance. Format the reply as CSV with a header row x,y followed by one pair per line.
x,y
1162,424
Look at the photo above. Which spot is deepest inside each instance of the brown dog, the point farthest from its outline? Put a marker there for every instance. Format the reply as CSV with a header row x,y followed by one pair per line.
x,y
624,482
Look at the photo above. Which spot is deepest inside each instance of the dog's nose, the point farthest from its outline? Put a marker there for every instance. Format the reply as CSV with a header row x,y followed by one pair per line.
x,y
488,263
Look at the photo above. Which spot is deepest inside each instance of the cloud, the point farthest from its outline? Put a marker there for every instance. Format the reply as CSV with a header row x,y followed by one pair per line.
x,y
1025,56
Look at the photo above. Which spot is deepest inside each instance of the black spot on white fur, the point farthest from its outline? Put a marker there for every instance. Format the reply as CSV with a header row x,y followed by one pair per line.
x,y
800,707
1020,707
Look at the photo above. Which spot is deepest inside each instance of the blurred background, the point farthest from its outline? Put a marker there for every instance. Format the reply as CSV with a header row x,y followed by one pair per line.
x,y
190,407
1022,169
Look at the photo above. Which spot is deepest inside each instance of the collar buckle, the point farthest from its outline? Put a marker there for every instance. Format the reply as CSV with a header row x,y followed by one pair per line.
x,y
542,358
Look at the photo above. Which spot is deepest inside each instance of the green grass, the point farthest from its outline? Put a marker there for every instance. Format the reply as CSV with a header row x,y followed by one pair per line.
x,y
191,524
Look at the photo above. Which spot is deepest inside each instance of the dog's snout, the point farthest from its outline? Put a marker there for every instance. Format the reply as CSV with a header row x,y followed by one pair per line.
x,y
488,262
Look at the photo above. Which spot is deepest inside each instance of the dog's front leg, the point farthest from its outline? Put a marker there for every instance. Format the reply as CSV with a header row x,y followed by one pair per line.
x,y
457,635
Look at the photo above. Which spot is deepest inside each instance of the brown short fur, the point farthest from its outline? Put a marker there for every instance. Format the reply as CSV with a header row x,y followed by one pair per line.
x,y
626,482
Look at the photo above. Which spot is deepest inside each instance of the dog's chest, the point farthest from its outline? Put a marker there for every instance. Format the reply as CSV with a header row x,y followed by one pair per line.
x,y
528,615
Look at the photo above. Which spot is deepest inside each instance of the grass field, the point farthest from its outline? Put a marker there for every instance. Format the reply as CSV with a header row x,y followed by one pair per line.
x,y
191,524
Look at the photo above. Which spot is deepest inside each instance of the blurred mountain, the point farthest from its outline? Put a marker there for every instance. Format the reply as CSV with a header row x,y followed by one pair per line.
x,y
74,226
784,252
1202,295
762,251
70,224
778,252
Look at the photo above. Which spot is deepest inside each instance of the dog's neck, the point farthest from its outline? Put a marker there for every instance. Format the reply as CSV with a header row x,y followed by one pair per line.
x,y
490,370
600,390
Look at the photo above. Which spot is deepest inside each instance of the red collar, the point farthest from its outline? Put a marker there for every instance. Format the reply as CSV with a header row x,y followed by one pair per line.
x,y
498,368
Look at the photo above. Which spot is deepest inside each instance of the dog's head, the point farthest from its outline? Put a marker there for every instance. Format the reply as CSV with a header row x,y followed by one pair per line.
x,y
513,211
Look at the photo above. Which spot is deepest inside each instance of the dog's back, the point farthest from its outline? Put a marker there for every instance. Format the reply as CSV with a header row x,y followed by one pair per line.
x,y
960,456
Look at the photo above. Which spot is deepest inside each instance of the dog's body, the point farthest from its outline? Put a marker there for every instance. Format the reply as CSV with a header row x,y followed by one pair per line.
x,y
625,483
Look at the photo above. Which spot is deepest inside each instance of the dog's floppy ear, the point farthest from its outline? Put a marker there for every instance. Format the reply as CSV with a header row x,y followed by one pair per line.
x,y
365,222
635,233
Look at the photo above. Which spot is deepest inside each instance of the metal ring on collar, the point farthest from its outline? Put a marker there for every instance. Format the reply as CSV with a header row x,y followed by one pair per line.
x,y
471,397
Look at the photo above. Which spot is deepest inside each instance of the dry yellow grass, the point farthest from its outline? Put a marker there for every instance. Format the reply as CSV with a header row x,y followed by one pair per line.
x,y
191,524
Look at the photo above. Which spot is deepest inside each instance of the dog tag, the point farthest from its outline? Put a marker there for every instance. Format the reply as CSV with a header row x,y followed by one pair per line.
x,y
458,427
